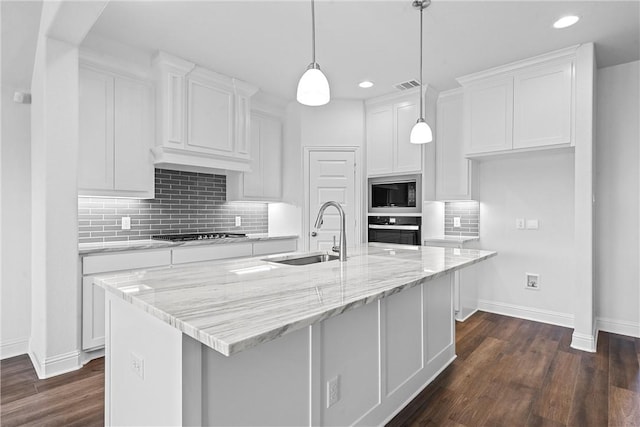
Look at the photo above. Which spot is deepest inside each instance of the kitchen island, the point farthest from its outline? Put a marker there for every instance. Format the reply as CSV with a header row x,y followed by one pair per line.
x,y
254,342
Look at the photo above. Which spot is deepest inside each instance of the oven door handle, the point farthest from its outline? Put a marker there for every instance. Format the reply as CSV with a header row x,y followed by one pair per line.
x,y
394,227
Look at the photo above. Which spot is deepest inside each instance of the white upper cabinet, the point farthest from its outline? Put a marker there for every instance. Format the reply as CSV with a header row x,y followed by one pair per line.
x,y
116,133
543,106
521,106
453,170
380,140
264,181
203,117
389,123
407,156
489,116
209,117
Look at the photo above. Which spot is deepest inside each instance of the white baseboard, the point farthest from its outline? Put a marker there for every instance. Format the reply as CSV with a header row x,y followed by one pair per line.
x,y
585,342
462,319
621,327
56,365
528,313
15,347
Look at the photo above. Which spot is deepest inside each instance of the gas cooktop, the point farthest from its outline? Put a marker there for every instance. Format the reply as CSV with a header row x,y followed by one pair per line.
x,y
198,236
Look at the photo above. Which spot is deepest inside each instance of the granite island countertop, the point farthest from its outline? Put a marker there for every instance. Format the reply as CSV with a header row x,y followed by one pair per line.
x,y
236,304
103,247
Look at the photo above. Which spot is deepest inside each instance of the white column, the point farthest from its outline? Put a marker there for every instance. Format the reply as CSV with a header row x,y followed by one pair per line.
x,y
55,296
584,334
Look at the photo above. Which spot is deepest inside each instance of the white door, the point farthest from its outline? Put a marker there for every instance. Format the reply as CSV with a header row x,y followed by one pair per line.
x,y
332,176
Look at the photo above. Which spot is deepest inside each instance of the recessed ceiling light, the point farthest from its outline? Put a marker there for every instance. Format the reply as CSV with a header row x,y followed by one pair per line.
x,y
566,21
365,84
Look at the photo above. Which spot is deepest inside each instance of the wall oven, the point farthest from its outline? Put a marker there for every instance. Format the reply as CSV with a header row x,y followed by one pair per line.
x,y
393,195
389,229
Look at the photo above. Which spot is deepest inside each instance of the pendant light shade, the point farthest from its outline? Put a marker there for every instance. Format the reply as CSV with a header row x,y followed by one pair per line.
x,y
313,87
421,132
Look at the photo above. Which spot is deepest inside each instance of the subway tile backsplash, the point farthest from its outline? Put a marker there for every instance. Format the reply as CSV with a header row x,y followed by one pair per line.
x,y
469,213
185,202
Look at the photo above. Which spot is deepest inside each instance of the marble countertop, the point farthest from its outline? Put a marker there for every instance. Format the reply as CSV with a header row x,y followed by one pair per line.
x,y
232,305
91,248
453,239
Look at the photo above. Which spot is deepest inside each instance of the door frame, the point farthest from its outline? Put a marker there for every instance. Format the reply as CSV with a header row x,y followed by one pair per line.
x,y
358,188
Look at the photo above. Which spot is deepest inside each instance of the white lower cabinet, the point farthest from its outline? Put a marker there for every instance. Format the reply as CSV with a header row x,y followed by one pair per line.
x,y
93,296
93,314
274,247
210,252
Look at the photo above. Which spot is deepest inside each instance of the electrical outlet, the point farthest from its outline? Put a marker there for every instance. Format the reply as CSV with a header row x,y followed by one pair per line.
x,y
532,224
333,391
137,365
456,222
520,223
533,281
126,223
238,221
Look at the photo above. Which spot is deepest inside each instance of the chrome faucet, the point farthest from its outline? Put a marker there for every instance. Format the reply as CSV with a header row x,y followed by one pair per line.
x,y
342,249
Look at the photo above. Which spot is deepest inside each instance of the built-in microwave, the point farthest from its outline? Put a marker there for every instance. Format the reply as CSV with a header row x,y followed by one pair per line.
x,y
397,194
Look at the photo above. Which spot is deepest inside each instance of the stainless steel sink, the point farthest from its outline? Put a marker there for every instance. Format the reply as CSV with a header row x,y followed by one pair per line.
x,y
302,259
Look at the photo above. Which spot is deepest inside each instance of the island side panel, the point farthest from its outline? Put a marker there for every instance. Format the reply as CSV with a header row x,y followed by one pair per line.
x,y
267,385
143,375
417,343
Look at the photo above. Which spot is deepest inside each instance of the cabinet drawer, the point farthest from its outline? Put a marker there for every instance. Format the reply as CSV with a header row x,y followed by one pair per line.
x,y
274,247
211,252
94,264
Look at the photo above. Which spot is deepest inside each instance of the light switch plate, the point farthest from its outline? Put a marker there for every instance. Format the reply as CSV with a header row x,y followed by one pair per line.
x,y
532,224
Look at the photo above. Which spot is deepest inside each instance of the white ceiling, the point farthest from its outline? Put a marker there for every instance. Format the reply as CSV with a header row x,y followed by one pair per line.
x,y
268,42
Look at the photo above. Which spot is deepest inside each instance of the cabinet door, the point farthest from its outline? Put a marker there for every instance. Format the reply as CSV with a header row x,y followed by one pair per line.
x,y
408,156
133,137
380,141
92,314
252,181
271,158
452,168
543,106
489,116
96,127
210,118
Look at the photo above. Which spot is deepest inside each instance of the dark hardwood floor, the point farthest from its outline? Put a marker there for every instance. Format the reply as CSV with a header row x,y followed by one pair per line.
x,y
509,372
73,399
513,372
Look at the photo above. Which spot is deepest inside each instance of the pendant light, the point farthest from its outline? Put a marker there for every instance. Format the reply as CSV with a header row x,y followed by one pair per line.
x,y
421,132
313,87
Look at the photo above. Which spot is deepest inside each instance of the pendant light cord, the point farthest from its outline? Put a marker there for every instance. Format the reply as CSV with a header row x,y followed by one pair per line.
x,y
421,10
313,32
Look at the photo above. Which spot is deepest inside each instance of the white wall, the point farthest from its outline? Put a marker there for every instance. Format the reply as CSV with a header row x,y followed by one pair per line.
x,y
339,123
617,199
536,185
19,24
16,201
